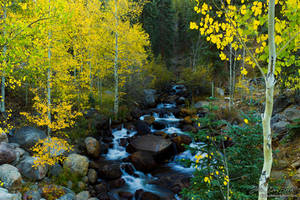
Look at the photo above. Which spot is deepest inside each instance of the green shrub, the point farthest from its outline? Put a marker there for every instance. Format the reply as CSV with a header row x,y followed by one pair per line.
x,y
161,77
197,81
231,160
65,176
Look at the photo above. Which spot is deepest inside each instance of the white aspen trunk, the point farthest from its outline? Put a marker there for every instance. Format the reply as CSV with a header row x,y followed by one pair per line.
x,y
91,80
230,76
2,104
233,77
116,76
49,75
266,118
100,90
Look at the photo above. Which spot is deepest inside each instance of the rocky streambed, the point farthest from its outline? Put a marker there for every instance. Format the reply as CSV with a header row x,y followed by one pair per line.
x,y
134,160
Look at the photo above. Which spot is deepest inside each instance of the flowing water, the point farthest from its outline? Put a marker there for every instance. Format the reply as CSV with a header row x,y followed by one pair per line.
x,y
139,180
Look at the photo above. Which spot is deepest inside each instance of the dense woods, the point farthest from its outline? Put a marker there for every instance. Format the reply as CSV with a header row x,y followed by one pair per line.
x,y
158,99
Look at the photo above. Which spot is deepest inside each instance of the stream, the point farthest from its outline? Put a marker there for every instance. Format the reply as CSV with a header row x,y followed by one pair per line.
x,y
157,181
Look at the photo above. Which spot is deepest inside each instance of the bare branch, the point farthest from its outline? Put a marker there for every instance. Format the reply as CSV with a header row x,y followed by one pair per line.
x,y
287,43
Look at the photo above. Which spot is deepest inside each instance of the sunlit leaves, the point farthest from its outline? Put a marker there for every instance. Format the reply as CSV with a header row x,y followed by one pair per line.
x,y
247,22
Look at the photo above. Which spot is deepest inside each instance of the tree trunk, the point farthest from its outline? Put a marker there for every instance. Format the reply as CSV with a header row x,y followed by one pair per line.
x,y
266,118
2,104
116,76
49,75
230,76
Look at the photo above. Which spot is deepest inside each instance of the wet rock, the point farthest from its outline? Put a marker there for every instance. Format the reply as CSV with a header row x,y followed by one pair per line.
x,y
143,161
10,176
117,183
170,99
158,125
92,146
27,170
149,119
123,142
126,195
162,134
77,163
136,113
101,191
101,187
180,101
172,180
128,168
92,176
142,195
109,170
188,120
180,141
161,148
188,128
142,127
7,153
27,137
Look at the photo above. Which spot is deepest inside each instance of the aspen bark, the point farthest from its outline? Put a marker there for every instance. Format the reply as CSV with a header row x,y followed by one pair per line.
x,y
266,118
2,103
49,75
116,76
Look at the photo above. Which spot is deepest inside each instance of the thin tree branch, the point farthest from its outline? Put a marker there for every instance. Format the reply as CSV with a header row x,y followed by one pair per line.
x,y
287,43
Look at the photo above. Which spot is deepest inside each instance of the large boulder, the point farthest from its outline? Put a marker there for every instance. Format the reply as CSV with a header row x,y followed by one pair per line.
x,y
77,163
92,146
280,127
143,161
292,113
33,173
5,195
280,103
180,141
27,137
7,153
149,119
143,195
150,97
10,176
158,146
109,170
158,125
142,127
172,180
